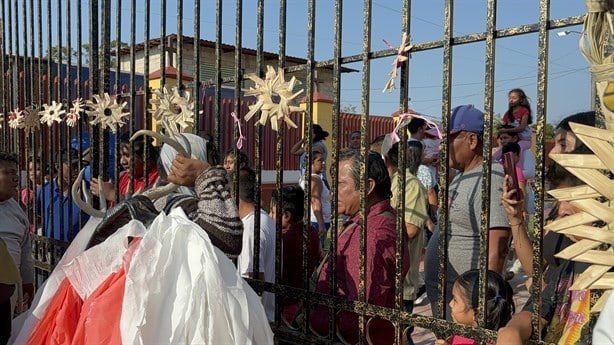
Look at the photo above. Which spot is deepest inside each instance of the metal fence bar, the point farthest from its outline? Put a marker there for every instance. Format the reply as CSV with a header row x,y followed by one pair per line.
x,y
483,263
218,75
197,88
444,154
26,84
538,216
364,154
257,141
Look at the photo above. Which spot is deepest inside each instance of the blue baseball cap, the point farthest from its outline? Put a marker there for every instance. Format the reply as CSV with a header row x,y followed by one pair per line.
x,y
466,118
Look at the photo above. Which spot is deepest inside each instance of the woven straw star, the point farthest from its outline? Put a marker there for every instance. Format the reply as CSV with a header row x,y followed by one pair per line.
x,y
107,112
595,243
274,85
402,56
74,114
16,119
173,112
52,113
31,120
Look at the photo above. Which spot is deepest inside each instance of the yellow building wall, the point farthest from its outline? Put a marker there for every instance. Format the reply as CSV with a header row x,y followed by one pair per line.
x,y
322,115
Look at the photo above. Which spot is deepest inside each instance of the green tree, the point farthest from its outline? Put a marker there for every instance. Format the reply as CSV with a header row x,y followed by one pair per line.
x,y
56,50
85,52
548,131
85,48
348,109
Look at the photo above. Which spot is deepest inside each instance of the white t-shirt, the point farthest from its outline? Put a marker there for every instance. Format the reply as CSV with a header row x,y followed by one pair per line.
x,y
245,261
603,332
324,198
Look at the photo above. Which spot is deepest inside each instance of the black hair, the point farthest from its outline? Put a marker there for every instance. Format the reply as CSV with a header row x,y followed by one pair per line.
x,y
355,131
8,157
499,297
524,102
140,145
240,159
415,124
414,149
292,201
376,170
585,118
378,139
315,153
67,155
319,133
511,147
212,153
247,184
505,126
42,165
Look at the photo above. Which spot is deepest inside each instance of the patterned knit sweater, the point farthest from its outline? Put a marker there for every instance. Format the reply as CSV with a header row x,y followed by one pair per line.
x,y
212,209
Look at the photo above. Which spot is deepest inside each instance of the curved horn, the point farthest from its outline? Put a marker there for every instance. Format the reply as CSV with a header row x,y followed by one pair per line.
x,y
165,139
158,192
86,196
101,196
76,196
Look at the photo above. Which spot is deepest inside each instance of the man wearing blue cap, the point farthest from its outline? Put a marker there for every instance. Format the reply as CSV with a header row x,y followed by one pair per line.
x,y
465,206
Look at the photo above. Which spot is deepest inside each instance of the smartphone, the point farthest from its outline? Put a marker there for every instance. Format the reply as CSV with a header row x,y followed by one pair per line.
x,y
510,169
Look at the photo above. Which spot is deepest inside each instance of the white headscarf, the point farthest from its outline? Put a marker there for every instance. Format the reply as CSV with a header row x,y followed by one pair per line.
x,y
198,147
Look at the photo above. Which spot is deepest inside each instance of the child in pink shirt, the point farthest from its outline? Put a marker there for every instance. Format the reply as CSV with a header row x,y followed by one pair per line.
x,y
464,304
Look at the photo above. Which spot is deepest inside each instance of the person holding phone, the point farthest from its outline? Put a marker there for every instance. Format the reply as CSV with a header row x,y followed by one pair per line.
x,y
511,156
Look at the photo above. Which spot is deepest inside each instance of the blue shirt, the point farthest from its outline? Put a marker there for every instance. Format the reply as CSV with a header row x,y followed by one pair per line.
x,y
66,228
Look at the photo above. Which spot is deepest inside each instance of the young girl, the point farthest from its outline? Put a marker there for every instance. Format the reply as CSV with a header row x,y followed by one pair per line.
x,y
144,153
464,304
28,194
230,159
519,116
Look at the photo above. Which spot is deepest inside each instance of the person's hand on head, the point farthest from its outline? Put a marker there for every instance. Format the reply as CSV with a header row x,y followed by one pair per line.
x,y
184,171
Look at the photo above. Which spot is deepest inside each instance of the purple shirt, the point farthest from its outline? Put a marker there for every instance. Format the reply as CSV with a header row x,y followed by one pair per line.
x,y
381,270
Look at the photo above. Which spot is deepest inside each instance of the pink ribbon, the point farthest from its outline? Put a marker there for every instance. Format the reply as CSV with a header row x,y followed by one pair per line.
x,y
241,137
400,55
395,136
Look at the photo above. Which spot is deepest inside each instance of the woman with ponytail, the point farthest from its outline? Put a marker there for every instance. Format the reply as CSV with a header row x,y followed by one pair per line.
x,y
464,304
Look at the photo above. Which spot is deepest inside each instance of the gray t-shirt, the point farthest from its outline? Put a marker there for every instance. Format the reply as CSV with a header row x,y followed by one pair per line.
x,y
15,231
465,207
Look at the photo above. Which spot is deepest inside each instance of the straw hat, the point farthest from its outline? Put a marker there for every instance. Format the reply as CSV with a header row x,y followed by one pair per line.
x,y
592,170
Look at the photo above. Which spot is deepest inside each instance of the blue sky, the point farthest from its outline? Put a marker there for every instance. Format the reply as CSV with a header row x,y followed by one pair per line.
x,y
516,57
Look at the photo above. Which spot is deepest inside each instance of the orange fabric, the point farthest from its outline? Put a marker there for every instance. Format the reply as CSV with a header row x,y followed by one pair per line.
x,y
99,321
69,320
102,310
58,324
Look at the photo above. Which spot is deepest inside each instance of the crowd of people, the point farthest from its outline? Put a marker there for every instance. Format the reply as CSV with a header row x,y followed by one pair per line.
x,y
235,225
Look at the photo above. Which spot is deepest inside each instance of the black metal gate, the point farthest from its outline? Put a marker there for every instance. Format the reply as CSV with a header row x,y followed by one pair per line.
x,y
51,54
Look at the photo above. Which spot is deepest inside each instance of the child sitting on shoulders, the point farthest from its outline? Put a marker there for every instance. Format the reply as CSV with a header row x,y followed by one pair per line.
x,y
519,115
